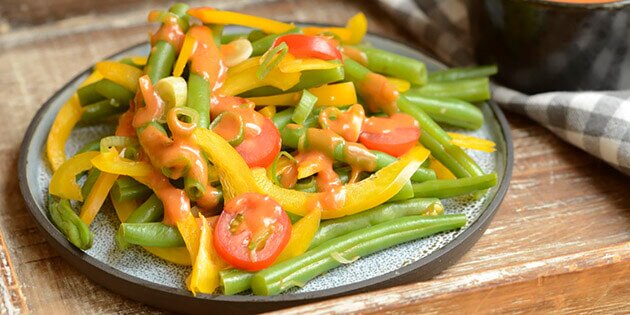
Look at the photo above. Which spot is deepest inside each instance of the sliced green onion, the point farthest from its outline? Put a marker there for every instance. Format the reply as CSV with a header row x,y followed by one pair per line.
x,y
304,107
230,118
271,59
187,115
110,142
272,168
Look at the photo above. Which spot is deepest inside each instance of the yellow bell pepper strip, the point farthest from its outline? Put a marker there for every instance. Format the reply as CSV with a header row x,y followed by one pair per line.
x,y
68,116
123,74
360,196
63,183
96,198
441,172
352,33
339,94
205,273
177,255
139,60
184,55
302,233
290,64
268,111
400,84
95,76
471,142
111,162
212,16
243,77
234,174
343,33
191,233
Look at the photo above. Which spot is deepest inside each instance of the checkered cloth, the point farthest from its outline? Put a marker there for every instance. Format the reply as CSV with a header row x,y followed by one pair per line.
x,y
597,122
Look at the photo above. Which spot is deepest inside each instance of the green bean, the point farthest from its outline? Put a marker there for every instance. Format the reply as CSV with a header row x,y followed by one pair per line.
x,y
449,111
69,224
283,118
309,79
462,73
422,174
447,188
426,123
199,98
101,111
464,160
261,45
395,65
88,95
129,61
330,229
255,35
235,281
162,56
217,33
111,90
470,90
405,193
90,146
193,188
151,234
91,178
228,38
438,152
151,210
299,270
126,188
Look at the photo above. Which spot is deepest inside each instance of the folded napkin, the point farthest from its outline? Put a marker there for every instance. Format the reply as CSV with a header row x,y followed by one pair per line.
x,y
598,122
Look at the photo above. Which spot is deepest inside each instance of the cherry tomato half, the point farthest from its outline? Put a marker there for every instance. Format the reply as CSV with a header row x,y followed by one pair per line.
x,y
251,232
307,46
262,142
394,135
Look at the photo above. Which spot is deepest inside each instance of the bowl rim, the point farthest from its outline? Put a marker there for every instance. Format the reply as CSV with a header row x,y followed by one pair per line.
x,y
165,297
620,4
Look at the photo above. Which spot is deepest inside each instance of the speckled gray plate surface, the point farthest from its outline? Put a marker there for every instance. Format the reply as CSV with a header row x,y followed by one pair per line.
x,y
139,275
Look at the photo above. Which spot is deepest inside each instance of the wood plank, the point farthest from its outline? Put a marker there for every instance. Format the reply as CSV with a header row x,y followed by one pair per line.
x,y
11,298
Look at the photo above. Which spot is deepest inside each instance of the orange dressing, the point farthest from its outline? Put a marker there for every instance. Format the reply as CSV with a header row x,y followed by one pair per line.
x,y
220,103
379,93
170,31
326,141
125,127
388,124
229,127
346,124
328,182
206,59
356,55
176,203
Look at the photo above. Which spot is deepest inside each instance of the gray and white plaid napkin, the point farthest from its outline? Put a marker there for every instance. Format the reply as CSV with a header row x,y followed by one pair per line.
x,y
598,122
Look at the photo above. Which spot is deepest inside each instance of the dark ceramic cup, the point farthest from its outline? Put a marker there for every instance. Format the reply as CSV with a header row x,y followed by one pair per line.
x,y
547,46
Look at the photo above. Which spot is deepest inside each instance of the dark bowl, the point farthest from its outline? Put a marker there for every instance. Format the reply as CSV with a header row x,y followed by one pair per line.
x,y
545,46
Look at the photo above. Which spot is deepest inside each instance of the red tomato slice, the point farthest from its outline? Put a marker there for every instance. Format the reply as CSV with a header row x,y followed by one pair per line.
x,y
262,140
394,135
251,231
306,46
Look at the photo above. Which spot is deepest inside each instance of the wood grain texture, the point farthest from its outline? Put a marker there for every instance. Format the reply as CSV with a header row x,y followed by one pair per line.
x,y
562,203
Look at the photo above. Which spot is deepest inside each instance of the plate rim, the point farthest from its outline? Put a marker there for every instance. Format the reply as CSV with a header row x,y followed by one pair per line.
x,y
146,291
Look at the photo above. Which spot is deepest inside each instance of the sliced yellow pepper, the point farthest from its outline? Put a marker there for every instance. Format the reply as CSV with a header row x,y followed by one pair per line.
x,y
97,196
65,120
191,233
212,16
120,73
268,111
302,234
471,142
243,78
184,55
63,183
234,174
139,60
360,196
353,33
177,255
339,94
111,162
205,273
290,64
400,84
441,172
93,77
343,33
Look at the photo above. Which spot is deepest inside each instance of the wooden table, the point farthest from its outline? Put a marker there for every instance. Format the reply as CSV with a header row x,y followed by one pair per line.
x,y
560,241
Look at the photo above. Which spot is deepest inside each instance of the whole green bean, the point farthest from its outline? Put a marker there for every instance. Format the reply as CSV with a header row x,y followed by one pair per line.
x,y
111,90
126,188
464,160
462,73
69,223
193,188
420,175
235,281
392,64
470,90
449,111
447,188
129,61
151,210
308,79
90,146
151,234
282,118
217,33
426,123
438,152
299,270
405,193
162,56
199,98
101,111
261,45
91,178
255,35
88,95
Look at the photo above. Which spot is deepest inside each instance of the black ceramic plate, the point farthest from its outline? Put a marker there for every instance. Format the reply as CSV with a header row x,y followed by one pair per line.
x,y
140,276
